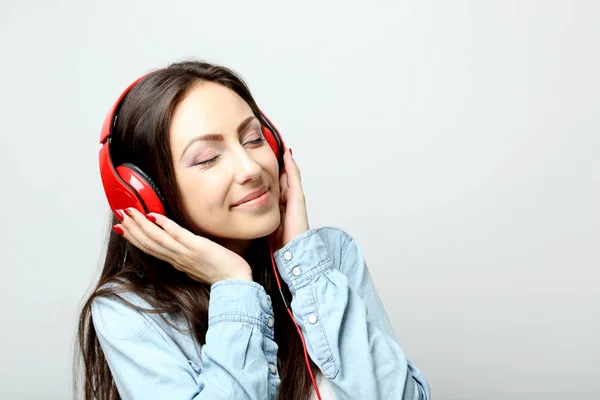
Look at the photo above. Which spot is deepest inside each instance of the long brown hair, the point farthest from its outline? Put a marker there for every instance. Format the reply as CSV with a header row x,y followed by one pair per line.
x,y
141,137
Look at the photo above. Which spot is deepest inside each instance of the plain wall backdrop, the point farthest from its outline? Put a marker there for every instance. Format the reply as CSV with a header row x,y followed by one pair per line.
x,y
458,141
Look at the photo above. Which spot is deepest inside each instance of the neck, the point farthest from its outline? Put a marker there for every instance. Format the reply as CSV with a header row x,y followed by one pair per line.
x,y
238,246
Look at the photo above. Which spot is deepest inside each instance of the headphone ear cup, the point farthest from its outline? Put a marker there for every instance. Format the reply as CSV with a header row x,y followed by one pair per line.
x,y
276,144
270,137
119,193
146,190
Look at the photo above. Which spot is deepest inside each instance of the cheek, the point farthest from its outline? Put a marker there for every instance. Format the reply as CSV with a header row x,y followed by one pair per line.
x,y
200,194
270,165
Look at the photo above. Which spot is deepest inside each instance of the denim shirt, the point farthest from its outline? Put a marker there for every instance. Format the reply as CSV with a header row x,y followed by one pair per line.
x,y
345,327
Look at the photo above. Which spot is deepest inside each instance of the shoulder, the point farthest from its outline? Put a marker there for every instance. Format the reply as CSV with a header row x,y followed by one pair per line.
x,y
120,316
127,315
140,346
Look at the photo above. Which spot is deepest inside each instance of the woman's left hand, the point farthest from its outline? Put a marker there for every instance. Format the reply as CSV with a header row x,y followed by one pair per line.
x,y
292,204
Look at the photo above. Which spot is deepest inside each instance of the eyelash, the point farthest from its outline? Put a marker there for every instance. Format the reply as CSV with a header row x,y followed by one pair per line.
x,y
212,160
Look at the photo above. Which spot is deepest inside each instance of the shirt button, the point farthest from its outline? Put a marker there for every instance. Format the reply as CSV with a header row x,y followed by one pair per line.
x,y
313,319
272,368
270,322
287,255
296,271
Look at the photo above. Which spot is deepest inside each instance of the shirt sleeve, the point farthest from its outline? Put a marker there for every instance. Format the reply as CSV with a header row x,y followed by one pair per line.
x,y
346,329
147,364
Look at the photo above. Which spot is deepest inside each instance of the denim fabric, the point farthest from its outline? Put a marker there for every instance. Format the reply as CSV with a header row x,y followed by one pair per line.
x,y
346,329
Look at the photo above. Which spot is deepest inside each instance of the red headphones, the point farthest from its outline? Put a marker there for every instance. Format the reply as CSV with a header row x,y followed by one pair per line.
x,y
126,185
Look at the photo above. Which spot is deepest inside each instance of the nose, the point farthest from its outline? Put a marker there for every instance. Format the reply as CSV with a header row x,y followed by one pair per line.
x,y
246,168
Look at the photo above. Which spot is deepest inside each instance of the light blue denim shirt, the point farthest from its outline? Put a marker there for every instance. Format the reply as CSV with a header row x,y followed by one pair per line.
x,y
346,329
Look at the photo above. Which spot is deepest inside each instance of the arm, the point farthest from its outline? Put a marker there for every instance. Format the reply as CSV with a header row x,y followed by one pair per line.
x,y
347,331
147,363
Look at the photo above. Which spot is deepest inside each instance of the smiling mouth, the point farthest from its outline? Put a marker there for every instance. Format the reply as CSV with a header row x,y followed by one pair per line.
x,y
256,202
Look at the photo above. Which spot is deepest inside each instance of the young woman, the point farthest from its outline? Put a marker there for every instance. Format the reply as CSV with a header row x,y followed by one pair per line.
x,y
225,292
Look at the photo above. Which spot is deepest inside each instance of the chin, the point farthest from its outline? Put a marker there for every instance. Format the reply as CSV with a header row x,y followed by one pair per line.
x,y
240,226
254,227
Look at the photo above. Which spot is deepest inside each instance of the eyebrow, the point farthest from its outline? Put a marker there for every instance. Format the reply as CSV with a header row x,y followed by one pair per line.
x,y
217,137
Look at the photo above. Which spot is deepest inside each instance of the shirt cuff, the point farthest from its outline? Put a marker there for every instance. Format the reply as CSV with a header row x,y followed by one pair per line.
x,y
241,301
302,259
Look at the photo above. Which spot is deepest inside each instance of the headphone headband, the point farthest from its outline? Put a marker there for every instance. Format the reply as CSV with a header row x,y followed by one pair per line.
x,y
111,117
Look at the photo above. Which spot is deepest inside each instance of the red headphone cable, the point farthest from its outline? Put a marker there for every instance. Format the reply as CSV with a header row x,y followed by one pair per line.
x,y
294,321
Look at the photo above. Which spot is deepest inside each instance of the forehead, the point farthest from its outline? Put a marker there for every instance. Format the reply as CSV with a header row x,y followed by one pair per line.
x,y
207,108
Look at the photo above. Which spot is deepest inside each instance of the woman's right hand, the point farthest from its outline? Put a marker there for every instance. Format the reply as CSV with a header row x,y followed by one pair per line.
x,y
200,258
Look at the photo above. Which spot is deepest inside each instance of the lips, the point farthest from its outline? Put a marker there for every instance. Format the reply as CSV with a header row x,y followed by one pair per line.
x,y
252,196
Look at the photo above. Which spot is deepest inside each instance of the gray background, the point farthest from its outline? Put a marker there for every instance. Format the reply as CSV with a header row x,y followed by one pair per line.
x,y
458,141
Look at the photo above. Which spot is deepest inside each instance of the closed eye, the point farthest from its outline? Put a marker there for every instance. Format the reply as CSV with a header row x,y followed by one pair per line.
x,y
257,141
206,162
214,159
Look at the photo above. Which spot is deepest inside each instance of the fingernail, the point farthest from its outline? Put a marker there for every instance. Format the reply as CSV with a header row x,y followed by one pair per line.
x,y
117,229
151,218
291,151
119,214
129,214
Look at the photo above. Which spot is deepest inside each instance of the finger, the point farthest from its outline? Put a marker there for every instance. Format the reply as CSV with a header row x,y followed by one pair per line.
x,y
131,239
283,182
123,231
137,237
127,235
283,197
182,236
150,238
294,179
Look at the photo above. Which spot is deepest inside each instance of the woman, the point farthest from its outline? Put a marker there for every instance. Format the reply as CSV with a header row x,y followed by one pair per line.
x,y
188,306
